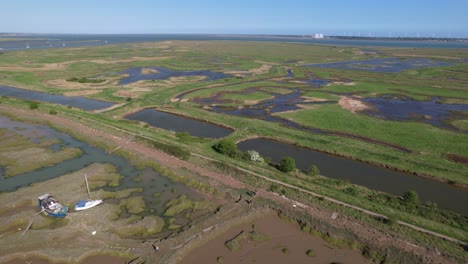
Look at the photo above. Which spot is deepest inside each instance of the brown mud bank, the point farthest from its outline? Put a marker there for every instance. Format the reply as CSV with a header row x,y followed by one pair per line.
x,y
101,259
275,241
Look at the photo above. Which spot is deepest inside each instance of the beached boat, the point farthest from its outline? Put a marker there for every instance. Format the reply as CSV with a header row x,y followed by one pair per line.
x,y
86,204
52,207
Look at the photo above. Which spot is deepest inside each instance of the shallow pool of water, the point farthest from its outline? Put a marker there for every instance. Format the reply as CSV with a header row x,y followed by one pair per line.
x,y
370,176
433,112
160,73
385,65
75,101
178,123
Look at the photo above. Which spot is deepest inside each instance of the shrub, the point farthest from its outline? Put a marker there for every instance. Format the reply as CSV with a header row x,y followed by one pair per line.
x,y
227,147
286,165
411,197
255,156
33,105
284,250
310,253
234,244
52,112
314,170
351,190
220,259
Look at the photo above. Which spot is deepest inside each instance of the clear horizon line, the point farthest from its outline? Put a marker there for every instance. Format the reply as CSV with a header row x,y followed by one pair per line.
x,y
240,34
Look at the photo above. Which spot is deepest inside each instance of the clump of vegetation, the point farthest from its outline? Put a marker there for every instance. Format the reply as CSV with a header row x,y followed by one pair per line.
x,y
351,191
220,259
310,253
258,237
134,205
182,203
185,136
285,250
52,112
255,156
85,80
227,147
277,188
373,255
314,170
172,225
286,164
234,243
33,105
411,197
146,226
175,151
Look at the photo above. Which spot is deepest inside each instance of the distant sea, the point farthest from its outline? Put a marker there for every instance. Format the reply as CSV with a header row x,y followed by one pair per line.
x,y
45,41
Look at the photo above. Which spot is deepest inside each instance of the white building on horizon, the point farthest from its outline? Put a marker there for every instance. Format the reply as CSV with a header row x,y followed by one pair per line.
x,y
318,36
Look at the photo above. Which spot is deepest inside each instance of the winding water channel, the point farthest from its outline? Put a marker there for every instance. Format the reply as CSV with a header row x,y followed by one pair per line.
x,y
149,180
75,101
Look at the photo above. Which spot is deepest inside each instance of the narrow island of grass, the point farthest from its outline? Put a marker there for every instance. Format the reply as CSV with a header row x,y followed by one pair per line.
x,y
85,80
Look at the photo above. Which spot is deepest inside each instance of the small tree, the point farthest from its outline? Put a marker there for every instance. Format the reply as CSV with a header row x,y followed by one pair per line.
x,y
227,147
314,170
287,165
411,197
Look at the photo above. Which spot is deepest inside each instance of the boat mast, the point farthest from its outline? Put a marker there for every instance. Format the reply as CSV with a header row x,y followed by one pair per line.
x,y
87,186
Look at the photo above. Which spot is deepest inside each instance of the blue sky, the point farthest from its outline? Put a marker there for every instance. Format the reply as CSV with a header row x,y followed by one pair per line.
x,y
332,17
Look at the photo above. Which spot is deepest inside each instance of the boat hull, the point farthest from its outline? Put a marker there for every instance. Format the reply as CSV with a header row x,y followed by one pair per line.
x,y
52,207
59,215
83,205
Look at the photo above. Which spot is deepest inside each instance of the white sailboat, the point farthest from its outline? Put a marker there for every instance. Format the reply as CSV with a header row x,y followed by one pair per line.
x,y
86,204
63,44
27,45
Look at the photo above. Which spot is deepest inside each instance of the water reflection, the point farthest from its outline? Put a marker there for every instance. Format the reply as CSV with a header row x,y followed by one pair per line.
x,y
160,73
177,123
433,112
373,177
75,101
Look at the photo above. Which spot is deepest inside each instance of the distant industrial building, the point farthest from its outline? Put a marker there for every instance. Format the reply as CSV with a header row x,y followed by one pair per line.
x,y
318,36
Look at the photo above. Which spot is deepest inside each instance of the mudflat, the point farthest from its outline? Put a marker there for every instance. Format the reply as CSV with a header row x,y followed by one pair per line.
x,y
284,243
